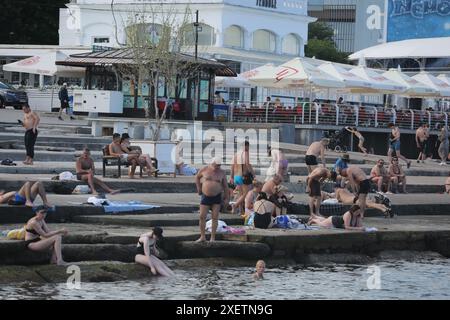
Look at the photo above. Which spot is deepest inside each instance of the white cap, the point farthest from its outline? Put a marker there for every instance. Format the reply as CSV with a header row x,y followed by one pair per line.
x,y
65,84
216,160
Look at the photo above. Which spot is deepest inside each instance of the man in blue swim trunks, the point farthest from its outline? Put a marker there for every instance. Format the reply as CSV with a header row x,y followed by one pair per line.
x,y
394,144
212,186
26,195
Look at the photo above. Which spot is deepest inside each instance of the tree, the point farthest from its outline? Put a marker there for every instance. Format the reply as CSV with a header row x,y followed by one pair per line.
x,y
156,34
30,22
321,45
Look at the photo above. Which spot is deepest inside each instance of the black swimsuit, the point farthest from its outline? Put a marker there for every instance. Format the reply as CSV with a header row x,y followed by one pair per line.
x,y
32,231
338,222
262,221
140,249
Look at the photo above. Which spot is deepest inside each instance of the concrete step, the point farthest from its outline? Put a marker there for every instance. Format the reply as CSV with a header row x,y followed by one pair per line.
x,y
50,156
155,220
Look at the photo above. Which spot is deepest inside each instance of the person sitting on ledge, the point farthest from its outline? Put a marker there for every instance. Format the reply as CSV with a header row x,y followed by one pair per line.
x,y
116,150
26,195
144,160
86,172
264,211
351,220
38,237
146,251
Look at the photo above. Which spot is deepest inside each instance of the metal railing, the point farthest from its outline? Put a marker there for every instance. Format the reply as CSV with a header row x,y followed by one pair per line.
x,y
336,115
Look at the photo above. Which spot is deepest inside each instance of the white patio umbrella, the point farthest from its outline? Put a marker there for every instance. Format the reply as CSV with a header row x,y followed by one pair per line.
x,y
378,82
44,64
351,81
442,87
413,87
233,82
444,78
294,74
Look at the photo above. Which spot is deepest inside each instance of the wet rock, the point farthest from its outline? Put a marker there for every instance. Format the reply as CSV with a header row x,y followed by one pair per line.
x,y
338,258
408,255
245,250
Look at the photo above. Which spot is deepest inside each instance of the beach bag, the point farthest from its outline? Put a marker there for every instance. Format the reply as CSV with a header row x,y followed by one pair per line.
x,y
66,176
82,189
282,222
221,226
17,234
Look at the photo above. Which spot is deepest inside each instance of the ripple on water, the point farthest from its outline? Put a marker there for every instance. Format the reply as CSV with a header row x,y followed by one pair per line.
x,y
427,279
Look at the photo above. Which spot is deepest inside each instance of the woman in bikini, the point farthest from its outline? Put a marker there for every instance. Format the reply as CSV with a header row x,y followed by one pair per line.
x,y
38,236
264,211
351,220
147,251
86,172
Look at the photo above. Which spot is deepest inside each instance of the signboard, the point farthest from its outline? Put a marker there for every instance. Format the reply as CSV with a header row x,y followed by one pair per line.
x,y
220,112
416,19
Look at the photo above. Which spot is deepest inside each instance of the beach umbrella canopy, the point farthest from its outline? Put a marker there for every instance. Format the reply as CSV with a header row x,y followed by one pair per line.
x,y
378,81
351,81
233,82
442,87
294,74
444,78
44,64
414,88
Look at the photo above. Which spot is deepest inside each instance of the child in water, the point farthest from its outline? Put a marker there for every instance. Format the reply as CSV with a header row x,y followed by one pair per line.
x,y
260,267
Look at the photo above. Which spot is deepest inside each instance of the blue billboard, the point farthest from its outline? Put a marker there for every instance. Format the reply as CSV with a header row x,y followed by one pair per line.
x,y
414,19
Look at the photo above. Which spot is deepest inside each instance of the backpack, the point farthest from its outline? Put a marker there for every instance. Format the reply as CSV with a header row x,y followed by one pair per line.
x,y
62,188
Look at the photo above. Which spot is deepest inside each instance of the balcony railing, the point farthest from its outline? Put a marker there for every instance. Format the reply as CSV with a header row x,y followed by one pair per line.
x,y
336,115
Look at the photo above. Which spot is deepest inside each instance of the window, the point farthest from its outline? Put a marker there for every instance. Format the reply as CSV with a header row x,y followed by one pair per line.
x,y
234,94
206,35
267,3
234,37
291,44
101,40
264,40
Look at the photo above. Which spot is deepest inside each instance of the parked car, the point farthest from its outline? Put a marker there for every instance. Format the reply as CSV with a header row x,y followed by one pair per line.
x,y
10,96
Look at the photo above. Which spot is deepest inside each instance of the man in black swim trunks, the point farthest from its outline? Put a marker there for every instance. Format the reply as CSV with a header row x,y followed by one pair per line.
x,y
212,186
314,190
315,150
359,181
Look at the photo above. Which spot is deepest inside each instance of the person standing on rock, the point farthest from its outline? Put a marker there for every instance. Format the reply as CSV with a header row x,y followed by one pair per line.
x,y
64,99
359,181
39,238
315,150
147,250
30,123
394,143
314,180
212,186
86,172
422,136
444,145
279,162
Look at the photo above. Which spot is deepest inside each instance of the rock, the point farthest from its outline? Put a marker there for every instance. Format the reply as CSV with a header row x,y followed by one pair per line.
x,y
224,249
90,272
338,258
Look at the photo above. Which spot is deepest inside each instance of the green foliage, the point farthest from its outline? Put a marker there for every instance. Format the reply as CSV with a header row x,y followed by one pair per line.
x,y
30,21
321,45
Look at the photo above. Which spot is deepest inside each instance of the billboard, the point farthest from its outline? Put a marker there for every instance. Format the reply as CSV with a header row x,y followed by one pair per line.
x,y
414,19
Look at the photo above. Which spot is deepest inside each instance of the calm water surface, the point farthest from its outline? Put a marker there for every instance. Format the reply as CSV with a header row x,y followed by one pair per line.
x,y
426,279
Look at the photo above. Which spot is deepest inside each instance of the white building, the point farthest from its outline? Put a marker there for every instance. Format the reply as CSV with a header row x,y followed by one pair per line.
x,y
243,34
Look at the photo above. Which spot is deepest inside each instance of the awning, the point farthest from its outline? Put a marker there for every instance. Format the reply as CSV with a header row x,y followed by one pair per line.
x,y
414,48
294,74
45,64
433,82
444,78
414,87
233,82
378,81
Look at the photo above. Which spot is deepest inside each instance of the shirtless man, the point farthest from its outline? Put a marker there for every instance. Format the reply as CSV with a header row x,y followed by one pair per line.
x,y
144,159
315,178
86,172
394,142
116,150
240,169
358,180
360,138
397,175
271,187
347,198
422,136
381,176
30,123
315,150
26,195
212,185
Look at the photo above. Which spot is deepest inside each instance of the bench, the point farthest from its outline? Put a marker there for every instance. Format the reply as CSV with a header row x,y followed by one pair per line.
x,y
112,161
